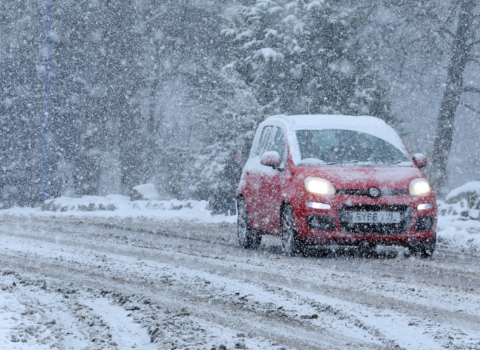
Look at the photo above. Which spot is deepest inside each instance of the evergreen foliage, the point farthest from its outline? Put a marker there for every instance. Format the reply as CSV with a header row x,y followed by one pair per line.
x,y
227,133
303,57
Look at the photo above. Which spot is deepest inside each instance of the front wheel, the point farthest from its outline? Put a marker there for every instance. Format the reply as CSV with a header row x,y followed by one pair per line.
x,y
247,238
425,249
292,245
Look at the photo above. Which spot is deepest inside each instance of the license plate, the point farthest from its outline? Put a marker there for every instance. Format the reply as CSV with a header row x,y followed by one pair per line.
x,y
376,217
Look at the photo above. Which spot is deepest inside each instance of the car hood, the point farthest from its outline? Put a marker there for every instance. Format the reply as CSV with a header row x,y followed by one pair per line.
x,y
395,178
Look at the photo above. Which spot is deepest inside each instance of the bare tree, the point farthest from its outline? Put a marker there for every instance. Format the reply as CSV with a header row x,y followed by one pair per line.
x,y
465,38
428,46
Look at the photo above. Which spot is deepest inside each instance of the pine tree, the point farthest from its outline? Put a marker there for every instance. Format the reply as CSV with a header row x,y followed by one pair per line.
x,y
303,57
227,134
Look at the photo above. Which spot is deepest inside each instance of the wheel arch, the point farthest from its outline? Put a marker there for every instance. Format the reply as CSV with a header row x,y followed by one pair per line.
x,y
284,204
241,197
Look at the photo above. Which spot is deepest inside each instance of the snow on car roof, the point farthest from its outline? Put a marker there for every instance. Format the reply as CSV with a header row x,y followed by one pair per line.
x,y
366,124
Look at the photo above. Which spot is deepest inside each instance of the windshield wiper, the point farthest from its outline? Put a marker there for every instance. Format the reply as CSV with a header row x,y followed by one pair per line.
x,y
397,162
353,162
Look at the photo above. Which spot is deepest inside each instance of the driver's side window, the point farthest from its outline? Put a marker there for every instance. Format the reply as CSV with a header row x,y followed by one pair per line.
x,y
263,145
278,143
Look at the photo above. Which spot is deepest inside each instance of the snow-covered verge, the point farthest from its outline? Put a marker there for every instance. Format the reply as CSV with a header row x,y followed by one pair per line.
x,y
459,216
121,206
463,201
458,231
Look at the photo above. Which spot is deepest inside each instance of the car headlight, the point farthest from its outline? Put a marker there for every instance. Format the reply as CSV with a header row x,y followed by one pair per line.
x,y
420,187
319,186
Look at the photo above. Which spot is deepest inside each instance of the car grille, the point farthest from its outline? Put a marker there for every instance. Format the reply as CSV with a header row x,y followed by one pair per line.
x,y
384,192
345,211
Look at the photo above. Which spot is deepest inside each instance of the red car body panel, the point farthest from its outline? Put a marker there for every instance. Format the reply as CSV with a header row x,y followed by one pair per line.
x,y
265,190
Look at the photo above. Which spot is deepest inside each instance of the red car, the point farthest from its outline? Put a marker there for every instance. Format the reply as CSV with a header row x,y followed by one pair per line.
x,y
334,180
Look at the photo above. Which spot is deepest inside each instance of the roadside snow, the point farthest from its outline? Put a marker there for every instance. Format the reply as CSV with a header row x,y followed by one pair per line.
x,y
115,205
472,186
461,232
145,192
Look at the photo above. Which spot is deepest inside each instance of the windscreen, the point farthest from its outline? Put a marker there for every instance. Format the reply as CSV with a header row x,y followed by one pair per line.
x,y
346,147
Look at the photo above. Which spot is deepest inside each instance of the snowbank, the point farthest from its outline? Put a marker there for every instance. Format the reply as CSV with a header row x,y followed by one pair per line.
x,y
145,192
463,202
122,206
459,210
457,232
472,187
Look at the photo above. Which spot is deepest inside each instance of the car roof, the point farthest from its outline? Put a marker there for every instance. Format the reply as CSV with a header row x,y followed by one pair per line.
x,y
323,121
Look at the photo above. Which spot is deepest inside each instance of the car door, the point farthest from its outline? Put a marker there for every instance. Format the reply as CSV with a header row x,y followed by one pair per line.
x,y
254,195
271,185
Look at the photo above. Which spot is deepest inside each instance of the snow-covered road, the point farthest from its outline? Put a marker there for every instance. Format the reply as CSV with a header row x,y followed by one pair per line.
x,y
106,283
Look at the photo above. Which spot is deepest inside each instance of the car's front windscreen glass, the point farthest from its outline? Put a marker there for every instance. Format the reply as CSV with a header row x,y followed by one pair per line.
x,y
347,147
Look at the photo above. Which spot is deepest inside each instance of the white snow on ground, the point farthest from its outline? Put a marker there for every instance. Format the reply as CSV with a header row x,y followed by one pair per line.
x,y
459,231
202,294
121,206
128,334
12,318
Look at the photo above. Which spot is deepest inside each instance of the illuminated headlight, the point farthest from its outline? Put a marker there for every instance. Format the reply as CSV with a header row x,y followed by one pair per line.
x,y
319,186
420,187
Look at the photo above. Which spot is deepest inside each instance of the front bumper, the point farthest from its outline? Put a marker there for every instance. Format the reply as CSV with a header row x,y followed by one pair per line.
x,y
329,226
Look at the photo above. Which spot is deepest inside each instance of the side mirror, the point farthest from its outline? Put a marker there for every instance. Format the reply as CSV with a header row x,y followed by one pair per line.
x,y
420,160
272,159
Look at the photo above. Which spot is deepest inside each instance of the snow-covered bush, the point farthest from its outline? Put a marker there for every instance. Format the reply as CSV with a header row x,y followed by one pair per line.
x,y
118,206
470,192
144,192
463,201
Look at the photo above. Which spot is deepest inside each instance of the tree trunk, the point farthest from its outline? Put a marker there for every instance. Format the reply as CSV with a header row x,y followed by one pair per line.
x,y
461,48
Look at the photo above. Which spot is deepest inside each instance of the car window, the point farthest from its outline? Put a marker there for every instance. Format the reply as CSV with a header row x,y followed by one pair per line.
x,y
264,140
333,146
278,143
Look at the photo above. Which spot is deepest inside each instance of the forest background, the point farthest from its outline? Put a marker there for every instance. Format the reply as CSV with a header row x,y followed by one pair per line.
x,y
170,92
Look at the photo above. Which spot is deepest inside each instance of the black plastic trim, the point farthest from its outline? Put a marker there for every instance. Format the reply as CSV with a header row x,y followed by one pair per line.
x,y
384,192
424,223
320,222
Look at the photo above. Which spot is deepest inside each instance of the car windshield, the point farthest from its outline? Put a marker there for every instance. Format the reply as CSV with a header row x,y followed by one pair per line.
x,y
347,147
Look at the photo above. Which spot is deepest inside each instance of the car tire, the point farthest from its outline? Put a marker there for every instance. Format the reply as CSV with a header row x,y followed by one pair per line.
x,y
292,245
247,238
424,250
